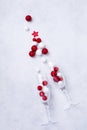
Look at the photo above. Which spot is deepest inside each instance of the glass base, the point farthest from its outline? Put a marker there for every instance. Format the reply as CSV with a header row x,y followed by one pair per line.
x,y
72,105
49,123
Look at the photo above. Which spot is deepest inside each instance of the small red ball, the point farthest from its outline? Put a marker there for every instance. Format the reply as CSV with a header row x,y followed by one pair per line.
x,y
31,53
39,87
44,51
56,79
60,78
28,18
34,39
44,98
38,40
41,93
56,69
53,73
34,48
44,83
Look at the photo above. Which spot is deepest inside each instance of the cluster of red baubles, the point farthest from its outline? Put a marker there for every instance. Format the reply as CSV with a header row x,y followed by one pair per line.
x,y
34,48
56,78
40,89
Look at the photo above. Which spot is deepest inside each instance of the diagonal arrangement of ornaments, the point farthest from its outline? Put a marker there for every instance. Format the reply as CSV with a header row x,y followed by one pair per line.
x,y
39,49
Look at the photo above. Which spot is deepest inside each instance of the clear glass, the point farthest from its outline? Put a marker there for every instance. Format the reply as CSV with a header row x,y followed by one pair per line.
x,y
49,118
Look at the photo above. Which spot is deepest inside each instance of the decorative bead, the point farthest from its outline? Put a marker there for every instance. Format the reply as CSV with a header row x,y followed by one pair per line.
x,y
59,74
45,83
39,87
50,65
61,78
44,98
28,18
31,53
41,93
34,48
34,39
53,73
56,78
38,40
41,45
60,83
45,51
44,60
38,52
38,70
35,34
56,69
26,28
46,90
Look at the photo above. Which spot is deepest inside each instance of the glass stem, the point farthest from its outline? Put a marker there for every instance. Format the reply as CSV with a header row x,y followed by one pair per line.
x,y
68,97
48,112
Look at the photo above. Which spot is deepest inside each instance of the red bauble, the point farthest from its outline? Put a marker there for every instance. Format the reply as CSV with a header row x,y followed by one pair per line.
x,y
38,40
44,51
53,73
41,93
34,39
31,53
61,78
34,48
39,87
56,69
28,18
45,83
44,98
56,79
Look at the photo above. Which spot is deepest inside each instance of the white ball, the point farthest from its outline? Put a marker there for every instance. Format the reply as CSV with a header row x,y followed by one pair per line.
x,y
60,84
39,52
41,45
38,70
27,28
46,90
59,74
44,60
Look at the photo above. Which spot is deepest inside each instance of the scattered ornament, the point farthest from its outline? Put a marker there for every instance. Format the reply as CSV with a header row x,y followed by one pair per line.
x,y
28,18
45,51
35,34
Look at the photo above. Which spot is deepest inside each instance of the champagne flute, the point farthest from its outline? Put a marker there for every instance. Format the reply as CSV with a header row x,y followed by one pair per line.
x,y
46,103
62,85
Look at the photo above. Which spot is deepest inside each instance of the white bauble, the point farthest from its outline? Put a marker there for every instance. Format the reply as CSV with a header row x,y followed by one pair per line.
x,y
44,60
59,74
60,84
26,28
46,90
41,45
39,52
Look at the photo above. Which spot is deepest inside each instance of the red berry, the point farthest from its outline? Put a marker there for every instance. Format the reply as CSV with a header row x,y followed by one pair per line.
x,y
41,93
44,83
44,98
34,39
56,69
61,78
39,87
44,51
34,48
38,40
56,78
31,53
53,73
28,18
